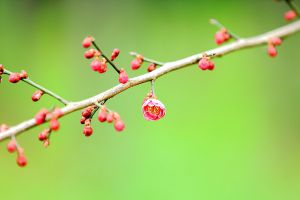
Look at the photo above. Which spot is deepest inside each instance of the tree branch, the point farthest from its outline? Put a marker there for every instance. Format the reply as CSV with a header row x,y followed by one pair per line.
x,y
46,91
262,39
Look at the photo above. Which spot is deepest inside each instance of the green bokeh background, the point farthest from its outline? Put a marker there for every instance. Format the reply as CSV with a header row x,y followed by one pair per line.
x,y
230,134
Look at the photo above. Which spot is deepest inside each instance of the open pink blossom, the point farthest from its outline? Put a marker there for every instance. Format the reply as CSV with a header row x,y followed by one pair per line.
x,y
153,109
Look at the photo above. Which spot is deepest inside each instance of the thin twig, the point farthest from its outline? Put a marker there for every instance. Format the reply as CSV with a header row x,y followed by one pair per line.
x,y
147,59
46,91
262,39
219,25
107,59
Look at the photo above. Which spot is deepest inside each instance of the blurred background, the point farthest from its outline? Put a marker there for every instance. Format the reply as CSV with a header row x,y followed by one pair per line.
x,y
230,134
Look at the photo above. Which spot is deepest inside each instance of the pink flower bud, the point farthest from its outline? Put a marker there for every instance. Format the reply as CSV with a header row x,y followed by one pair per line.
x,y
40,117
290,15
23,74
136,63
54,124
87,131
14,78
276,41
11,146
95,65
219,37
87,42
21,160
44,134
153,109
114,54
89,53
272,51
119,125
204,63
110,117
123,77
37,95
151,67
102,114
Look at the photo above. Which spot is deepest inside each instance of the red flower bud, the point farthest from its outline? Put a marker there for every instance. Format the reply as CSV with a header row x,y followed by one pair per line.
x,y
276,41
114,54
151,67
110,117
44,134
11,146
87,42
54,124
87,131
86,113
102,114
82,120
136,63
219,38
119,125
14,78
23,74
290,15
205,63
123,77
103,66
40,117
37,95
272,51
89,53
21,160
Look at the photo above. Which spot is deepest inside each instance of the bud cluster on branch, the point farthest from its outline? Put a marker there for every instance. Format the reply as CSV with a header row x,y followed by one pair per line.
x,y
152,108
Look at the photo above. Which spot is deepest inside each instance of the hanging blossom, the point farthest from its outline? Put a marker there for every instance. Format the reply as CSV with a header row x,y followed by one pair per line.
x,y
152,108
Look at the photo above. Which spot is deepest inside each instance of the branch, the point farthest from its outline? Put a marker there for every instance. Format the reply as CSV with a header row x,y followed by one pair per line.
x,y
262,39
46,91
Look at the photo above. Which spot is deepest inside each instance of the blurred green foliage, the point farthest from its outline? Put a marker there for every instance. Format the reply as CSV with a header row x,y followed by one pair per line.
x,y
230,134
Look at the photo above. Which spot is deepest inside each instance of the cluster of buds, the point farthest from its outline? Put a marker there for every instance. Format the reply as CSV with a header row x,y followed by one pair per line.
x,y
104,115
86,116
205,63
44,137
111,117
40,118
99,64
222,36
290,15
137,62
152,108
13,146
271,46
16,77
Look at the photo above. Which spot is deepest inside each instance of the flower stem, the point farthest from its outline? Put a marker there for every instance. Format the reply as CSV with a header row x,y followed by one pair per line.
x,y
108,60
46,91
94,112
152,88
219,25
148,59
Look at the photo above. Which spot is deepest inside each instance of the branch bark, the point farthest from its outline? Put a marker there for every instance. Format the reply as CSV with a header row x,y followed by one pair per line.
x,y
242,43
